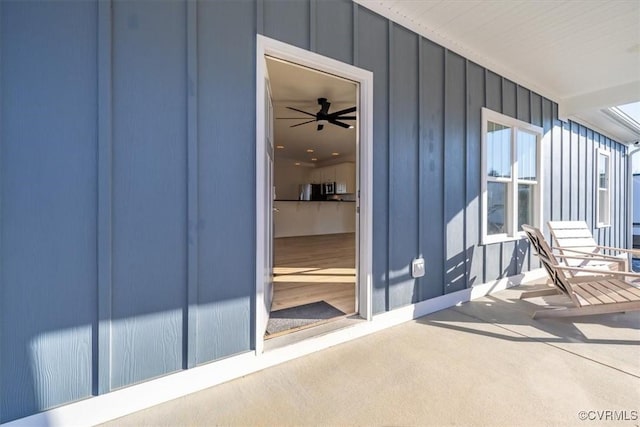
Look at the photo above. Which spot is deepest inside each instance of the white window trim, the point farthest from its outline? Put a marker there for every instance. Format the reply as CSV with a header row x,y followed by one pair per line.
x,y
495,117
607,154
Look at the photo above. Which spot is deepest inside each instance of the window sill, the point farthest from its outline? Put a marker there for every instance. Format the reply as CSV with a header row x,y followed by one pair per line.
x,y
603,226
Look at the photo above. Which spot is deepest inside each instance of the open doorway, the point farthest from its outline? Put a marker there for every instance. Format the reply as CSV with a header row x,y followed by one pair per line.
x,y
314,215
315,117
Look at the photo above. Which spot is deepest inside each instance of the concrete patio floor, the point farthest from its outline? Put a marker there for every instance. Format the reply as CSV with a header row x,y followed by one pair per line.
x,y
484,363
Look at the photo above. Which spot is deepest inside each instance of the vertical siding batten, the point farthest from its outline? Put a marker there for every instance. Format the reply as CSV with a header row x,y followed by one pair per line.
x,y
582,183
466,250
191,314
420,282
390,93
574,166
589,199
556,172
565,162
547,188
594,226
2,319
105,199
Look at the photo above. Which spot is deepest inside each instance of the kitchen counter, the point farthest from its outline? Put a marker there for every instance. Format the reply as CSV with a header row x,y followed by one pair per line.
x,y
321,201
313,217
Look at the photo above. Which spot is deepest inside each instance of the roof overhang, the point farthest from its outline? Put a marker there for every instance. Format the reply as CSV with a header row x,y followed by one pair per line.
x,y
583,55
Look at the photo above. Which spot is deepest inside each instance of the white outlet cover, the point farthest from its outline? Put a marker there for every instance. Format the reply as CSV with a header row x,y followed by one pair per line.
x,y
417,267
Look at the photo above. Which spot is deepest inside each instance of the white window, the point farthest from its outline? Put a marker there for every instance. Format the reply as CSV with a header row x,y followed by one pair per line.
x,y
511,178
603,201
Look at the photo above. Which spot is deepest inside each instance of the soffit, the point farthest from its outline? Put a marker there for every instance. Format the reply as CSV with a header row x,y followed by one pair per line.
x,y
585,55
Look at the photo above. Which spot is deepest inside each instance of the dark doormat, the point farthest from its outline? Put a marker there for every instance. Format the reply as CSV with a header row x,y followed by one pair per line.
x,y
301,316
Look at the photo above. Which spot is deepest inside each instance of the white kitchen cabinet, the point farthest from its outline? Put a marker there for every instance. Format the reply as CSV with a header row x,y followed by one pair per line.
x,y
345,174
315,176
328,173
323,174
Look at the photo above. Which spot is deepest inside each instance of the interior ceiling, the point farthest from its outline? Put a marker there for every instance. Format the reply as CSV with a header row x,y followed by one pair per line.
x,y
300,87
585,55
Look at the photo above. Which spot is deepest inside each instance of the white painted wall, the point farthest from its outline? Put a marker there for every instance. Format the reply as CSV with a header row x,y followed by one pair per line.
x,y
287,177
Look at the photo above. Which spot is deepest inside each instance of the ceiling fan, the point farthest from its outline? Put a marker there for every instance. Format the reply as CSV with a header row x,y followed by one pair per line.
x,y
324,116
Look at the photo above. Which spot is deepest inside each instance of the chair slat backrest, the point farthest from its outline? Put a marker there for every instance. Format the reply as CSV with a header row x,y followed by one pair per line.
x,y
549,261
573,235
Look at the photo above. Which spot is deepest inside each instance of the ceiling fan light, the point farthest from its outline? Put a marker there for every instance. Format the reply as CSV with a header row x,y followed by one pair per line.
x,y
322,122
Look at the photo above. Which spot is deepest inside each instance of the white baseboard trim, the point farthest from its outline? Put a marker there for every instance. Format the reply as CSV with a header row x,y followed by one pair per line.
x,y
99,409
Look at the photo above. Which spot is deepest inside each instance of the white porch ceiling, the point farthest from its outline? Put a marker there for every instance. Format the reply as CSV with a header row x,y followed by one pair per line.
x,y
585,55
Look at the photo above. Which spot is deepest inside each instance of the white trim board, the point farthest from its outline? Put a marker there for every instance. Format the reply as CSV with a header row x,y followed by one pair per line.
x,y
135,398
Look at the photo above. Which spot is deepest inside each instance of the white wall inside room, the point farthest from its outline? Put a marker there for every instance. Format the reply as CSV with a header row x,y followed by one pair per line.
x,y
288,177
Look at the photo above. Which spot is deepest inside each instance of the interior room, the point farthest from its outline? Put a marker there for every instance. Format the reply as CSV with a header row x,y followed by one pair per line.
x,y
314,215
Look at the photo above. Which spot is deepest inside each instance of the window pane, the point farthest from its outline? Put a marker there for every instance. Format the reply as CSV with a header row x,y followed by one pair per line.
x,y
527,158
603,171
525,205
498,150
603,206
496,207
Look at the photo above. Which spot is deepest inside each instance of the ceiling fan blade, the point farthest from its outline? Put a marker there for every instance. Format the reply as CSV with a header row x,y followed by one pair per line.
x,y
341,112
320,127
303,123
300,111
345,118
344,125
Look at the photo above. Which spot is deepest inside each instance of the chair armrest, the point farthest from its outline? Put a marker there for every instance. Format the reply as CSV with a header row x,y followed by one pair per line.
x,y
588,254
598,272
629,251
589,258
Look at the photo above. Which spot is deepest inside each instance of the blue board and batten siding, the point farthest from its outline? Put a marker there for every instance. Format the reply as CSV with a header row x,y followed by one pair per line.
x,y
127,179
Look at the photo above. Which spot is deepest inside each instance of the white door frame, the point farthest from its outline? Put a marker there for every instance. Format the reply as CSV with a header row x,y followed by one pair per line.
x,y
364,146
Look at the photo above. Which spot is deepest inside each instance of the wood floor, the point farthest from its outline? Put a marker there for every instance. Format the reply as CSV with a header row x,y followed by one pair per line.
x,y
315,268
